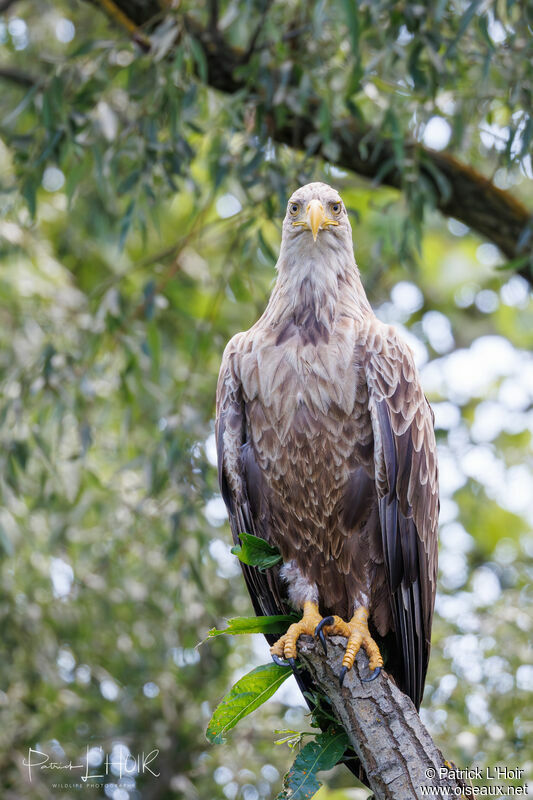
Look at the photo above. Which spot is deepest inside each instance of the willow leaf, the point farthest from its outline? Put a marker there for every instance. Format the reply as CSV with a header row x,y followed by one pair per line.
x,y
239,625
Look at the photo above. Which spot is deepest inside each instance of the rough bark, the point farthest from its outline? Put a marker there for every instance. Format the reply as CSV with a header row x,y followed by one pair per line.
x,y
384,728
459,190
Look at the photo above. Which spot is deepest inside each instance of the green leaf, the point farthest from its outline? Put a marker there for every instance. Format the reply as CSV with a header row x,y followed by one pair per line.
x,y
153,340
265,247
324,121
129,182
300,782
24,103
352,21
256,552
441,181
199,57
5,543
239,625
126,224
525,137
415,70
88,46
464,22
514,264
248,694
29,192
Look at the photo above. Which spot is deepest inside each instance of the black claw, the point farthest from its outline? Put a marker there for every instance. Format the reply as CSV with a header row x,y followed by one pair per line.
x,y
323,621
280,661
322,640
373,676
342,675
319,631
292,663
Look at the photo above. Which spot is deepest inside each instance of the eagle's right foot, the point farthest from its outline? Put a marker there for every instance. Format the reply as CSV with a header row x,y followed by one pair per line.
x,y
285,647
358,635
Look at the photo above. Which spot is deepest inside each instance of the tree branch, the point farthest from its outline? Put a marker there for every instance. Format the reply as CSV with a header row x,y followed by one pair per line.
x,y
460,191
121,18
395,749
5,4
18,76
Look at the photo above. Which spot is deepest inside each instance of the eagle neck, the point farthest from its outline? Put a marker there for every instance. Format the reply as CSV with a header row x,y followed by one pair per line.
x,y
317,291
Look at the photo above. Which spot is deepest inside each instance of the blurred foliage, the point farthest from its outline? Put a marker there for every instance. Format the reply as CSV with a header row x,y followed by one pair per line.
x,y
139,226
128,129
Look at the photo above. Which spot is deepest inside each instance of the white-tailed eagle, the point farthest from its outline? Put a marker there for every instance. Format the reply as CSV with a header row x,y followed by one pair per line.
x,y
326,449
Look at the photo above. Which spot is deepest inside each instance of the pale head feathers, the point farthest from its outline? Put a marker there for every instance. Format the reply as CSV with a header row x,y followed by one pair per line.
x,y
316,268
334,239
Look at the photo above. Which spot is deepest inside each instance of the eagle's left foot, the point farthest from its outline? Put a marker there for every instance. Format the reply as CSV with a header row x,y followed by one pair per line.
x,y
285,647
358,635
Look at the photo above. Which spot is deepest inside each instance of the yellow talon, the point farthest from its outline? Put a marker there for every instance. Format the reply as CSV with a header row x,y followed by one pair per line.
x,y
278,647
285,647
357,633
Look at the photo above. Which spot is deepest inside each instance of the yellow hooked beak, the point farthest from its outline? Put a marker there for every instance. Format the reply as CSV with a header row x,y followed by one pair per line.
x,y
315,218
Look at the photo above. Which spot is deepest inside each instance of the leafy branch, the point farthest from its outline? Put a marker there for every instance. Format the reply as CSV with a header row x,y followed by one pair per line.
x,y
251,691
375,721
427,178
451,186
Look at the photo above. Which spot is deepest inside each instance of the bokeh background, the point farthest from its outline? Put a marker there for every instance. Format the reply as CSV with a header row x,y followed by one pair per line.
x,y
140,213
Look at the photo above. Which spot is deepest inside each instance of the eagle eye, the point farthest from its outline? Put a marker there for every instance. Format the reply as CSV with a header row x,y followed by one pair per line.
x,y
294,208
336,208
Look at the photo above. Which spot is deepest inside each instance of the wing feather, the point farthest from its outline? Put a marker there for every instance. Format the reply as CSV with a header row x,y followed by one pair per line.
x,y
406,483
240,481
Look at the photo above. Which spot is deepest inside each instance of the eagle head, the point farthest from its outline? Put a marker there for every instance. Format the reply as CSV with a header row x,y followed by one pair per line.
x,y
316,241
314,209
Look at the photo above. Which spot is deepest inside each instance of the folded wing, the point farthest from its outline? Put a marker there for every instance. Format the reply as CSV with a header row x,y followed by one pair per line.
x,y
406,483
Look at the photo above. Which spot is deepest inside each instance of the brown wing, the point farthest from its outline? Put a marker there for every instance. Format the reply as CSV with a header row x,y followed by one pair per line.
x,y
241,484
406,481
